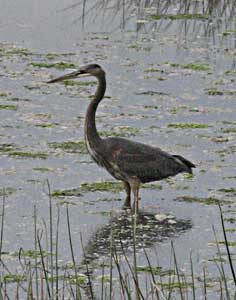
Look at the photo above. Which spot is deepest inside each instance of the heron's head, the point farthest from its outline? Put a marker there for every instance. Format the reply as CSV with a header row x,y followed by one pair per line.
x,y
88,70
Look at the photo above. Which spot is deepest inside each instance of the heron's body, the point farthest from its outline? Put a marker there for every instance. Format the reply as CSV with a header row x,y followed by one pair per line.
x,y
128,161
131,159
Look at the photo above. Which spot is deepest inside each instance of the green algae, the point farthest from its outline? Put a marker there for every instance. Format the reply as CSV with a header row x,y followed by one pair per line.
x,y
61,65
70,82
229,32
229,130
230,220
13,151
174,17
156,270
5,148
8,106
76,192
152,186
228,190
192,66
188,125
30,253
70,146
121,131
11,278
175,285
43,170
103,186
151,93
16,51
3,94
6,191
34,155
206,201
153,70
216,92
229,243
76,279
46,125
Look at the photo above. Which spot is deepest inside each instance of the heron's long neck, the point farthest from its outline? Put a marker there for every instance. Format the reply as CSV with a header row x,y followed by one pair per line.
x,y
90,130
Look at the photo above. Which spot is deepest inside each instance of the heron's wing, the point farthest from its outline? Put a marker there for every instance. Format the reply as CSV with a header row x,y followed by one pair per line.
x,y
143,161
149,167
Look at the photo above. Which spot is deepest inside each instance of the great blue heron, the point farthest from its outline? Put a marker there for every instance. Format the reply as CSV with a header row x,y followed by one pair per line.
x,y
131,162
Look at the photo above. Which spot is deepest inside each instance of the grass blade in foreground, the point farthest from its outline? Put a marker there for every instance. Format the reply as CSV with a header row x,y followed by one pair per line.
x,y
227,246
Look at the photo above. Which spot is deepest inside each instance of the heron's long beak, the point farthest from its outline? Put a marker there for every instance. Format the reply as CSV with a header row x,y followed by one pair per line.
x,y
79,73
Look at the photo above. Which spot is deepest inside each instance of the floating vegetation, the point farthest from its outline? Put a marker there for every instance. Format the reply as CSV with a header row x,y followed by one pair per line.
x,y
176,285
79,279
46,125
107,200
229,130
156,270
230,72
219,139
32,87
151,106
71,82
70,146
8,106
3,94
5,148
206,201
192,66
16,51
216,92
229,32
180,17
12,150
43,170
22,154
153,70
121,131
228,190
5,191
61,65
188,125
76,192
30,253
152,186
152,93
103,186
188,176
229,150
230,220
10,278
229,243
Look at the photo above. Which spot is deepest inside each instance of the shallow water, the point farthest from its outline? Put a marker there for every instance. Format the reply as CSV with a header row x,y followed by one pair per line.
x,y
153,92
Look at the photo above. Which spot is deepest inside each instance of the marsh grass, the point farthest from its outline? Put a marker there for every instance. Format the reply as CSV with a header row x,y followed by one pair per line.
x,y
39,274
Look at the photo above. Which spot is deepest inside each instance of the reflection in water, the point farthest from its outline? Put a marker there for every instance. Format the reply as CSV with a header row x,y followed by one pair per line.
x,y
207,16
151,228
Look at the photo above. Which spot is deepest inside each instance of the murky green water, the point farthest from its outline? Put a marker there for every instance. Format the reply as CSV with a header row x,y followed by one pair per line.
x,y
171,83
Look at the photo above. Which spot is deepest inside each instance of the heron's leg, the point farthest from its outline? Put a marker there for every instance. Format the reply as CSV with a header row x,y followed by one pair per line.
x,y
127,203
135,184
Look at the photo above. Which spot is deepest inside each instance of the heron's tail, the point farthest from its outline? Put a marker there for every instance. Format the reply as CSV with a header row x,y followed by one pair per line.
x,y
186,162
